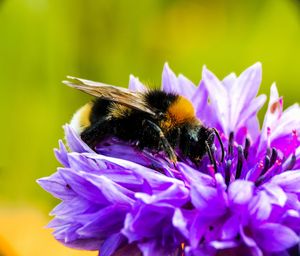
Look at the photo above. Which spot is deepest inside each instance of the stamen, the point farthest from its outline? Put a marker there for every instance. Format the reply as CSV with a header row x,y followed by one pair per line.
x,y
230,143
269,151
255,174
240,163
227,171
246,150
274,155
266,165
211,156
221,144
290,163
270,171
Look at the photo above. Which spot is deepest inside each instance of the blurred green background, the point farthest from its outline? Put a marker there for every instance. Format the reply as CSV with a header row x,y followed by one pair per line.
x,y
43,41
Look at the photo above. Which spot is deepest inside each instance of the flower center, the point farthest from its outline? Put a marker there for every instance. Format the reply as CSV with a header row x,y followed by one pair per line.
x,y
273,162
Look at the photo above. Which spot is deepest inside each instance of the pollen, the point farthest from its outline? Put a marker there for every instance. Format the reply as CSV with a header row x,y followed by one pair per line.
x,y
181,110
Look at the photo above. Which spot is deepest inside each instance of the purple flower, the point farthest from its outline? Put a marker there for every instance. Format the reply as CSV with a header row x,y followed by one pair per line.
x,y
122,201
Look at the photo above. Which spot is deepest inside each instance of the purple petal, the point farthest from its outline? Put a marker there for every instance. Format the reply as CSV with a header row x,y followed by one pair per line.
x,y
90,244
169,80
157,180
253,129
260,207
112,191
273,114
175,195
111,244
204,110
200,96
75,206
245,89
135,84
289,181
229,82
219,245
82,187
200,101
193,176
218,98
273,237
197,230
138,226
106,222
180,85
289,120
276,194
79,162
180,222
231,228
55,185
207,200
292,201
248,114
291,219
240,192
186,87
74,142
61,154
57,223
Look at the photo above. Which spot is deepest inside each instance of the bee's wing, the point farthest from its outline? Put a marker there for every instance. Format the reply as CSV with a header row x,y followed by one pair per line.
x,y
113,93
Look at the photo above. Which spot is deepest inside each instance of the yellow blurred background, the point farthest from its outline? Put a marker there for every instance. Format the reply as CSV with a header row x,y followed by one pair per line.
x,y
42,41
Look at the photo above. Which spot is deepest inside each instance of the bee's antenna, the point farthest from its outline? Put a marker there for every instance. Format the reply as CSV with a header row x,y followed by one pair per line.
x,y
211,156
221,144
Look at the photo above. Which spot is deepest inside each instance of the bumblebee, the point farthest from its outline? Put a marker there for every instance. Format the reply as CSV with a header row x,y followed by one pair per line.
x,y
154,119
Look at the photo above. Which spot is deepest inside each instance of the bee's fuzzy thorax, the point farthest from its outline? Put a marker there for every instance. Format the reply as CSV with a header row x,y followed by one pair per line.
x,y
181,110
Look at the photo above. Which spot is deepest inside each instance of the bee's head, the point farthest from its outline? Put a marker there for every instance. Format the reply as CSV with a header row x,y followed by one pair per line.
x,y
197,141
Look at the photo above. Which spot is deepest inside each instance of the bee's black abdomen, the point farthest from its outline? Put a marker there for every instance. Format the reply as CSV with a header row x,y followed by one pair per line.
x,y
100,109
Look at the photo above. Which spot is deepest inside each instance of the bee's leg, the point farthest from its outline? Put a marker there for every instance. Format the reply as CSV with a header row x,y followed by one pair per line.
x,y
96,132
157,134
